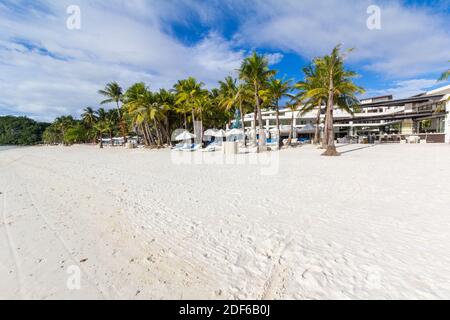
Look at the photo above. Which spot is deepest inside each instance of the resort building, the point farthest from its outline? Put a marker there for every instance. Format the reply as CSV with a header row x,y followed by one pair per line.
x,y
382,118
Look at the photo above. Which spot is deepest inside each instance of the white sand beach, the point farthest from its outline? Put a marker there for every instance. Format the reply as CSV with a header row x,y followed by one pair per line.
x,y
373,223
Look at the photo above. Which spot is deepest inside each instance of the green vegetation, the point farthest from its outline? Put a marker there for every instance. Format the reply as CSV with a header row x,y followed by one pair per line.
x,y
20,131
445,75
154,115
328,80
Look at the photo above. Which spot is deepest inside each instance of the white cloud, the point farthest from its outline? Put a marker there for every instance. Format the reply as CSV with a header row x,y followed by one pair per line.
x,y
412,40
274,58
122,41
405,88
131,41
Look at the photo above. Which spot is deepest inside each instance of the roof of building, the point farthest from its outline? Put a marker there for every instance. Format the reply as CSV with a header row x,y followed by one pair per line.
x,y
374,99
401,102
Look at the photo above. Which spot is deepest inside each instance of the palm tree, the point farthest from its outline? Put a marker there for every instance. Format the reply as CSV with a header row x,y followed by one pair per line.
x,y
202,104
187,92
227,95
101,114
102,127
255,71
243,99
63,123
276,90
292,107
139,104
111,122
313,80
114,94
445,75
166,102
89,118
339,88
215,115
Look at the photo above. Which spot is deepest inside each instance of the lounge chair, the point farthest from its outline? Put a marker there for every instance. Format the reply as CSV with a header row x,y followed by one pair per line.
x,y
190,147
179,146
215,146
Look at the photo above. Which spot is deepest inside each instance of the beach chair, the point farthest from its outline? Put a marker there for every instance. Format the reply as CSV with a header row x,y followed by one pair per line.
x,y
178,147
212,147
191,147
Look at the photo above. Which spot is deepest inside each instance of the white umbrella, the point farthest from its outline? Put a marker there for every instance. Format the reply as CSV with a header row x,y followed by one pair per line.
x,y
185,136
210,132
235,132
309,128
220,134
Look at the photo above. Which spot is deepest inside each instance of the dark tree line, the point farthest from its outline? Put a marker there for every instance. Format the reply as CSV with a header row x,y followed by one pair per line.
x,y
21,131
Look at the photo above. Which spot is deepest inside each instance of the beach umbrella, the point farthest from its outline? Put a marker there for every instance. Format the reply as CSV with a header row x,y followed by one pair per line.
x,y
220,134
235,132
185,136
309,128
210,132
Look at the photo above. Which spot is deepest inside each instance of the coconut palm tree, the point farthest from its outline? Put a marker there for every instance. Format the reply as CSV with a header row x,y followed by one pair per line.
x,y
339,88
112,121
63,123
114,94
255,71
292,107
445,75
89,118
187,92
244,100
166,102
276,90
131,106
101,114
313,80
227,95
102,127
140,106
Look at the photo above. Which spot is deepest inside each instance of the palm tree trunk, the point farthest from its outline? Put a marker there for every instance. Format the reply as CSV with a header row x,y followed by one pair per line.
x,y
243,122
325,132
331,148
317,131
158,133
167,129
280,143
193,120
291,135
262,135
254,125
149,134
201,127
121,123
144,133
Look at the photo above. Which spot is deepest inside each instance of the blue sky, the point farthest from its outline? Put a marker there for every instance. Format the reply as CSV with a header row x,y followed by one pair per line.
x,y
47,70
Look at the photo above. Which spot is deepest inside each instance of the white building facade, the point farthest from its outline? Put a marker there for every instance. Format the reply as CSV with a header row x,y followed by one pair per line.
x,y
425,115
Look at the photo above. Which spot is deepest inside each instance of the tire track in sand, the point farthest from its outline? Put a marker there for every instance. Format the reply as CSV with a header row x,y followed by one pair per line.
x,y
40,213
12,246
